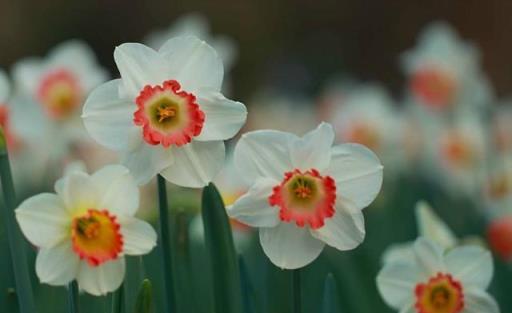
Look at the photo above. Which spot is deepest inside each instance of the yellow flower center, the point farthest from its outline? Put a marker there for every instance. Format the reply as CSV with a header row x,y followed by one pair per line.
x,y
441,294
96,237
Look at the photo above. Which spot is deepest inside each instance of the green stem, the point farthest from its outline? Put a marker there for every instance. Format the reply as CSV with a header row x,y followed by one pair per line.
x,y
297,304
73,297
165,244
246,286
16,243
117,301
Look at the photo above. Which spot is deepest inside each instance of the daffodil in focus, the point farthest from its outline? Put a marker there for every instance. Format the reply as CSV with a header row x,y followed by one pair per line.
x,y
304,192
166,114
439,281
84,231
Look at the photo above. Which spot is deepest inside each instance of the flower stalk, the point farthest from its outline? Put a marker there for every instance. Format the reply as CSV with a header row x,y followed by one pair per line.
x,y
165,244
297,299
73,306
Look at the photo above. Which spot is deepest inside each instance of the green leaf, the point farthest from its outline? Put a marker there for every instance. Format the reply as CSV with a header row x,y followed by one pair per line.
x,y
132,281
166,247
330,303
144,302
219,243
117,303
16,243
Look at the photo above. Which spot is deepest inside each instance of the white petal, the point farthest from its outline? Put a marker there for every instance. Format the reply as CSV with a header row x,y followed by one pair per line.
x,y
138,236
396,283
429,256
345,230
399,252
196,164
44,220
147,161
139,66
224,117
472,265
432,227
479,301
117,190
77,192
314,149
358,173
26,74
4,87
100,280
253,207
109,119
409,308
193,63
57,266
290,247
264,154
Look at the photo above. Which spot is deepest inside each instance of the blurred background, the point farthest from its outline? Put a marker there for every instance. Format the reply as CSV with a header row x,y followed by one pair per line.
x,y
425,85
292,44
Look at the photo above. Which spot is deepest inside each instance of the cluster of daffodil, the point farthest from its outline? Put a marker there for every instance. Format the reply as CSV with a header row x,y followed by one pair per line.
x,y
166,119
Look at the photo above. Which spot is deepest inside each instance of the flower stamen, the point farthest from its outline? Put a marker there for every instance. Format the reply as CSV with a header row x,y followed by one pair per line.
x,y
305,198
96,237
441,294
168,115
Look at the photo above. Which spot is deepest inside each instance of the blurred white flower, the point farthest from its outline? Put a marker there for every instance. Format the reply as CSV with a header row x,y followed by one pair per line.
x,y
444,71
48,96
50,92
497,195
501,127
456,153
166,114
195,24
439,281
7,135
304,192
365,115
86,228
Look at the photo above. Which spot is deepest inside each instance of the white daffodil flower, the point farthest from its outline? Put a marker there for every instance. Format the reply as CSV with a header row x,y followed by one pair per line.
x,y
444,71
366,115
50,92
429,226
457,153
84,230
304,192
166,114
439,281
